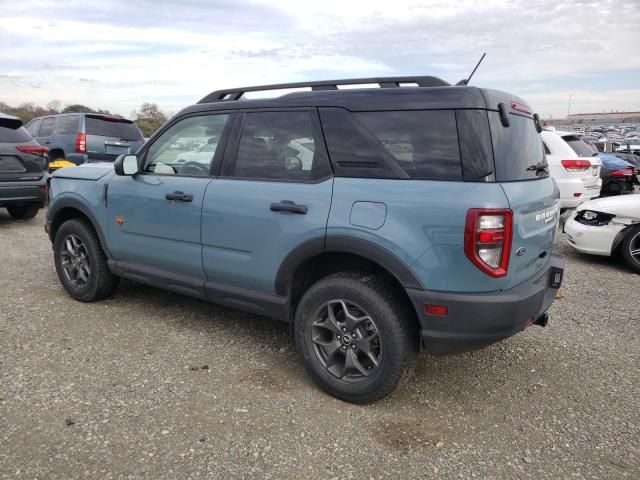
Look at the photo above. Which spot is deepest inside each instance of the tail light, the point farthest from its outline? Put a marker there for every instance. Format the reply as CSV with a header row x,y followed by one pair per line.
x,y
81,143
487,239
625,172
33,150
576,165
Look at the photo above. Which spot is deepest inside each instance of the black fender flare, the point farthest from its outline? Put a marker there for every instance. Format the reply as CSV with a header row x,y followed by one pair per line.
x,y
76,204
344,244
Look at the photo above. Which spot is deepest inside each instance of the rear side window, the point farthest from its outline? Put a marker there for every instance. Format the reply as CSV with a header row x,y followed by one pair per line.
x,y
68,125
279,146
47,127
33,127
424,143
476,151
111,128
516,148
9,135
578,146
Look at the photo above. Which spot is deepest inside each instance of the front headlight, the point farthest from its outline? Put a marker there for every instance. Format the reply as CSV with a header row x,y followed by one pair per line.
x,y
593,218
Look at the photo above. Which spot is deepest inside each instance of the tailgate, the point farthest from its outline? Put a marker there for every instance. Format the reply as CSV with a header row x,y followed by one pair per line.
x,y
536,212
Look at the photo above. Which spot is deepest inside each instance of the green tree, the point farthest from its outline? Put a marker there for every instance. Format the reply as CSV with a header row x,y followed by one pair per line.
x,y
77,108
149,118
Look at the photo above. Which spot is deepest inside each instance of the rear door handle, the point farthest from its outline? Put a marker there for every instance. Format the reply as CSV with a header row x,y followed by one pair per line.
x,y
289,206
179,196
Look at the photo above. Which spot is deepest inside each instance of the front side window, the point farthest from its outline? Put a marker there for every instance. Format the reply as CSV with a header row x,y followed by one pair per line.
x,y
187,147
48,126
278,146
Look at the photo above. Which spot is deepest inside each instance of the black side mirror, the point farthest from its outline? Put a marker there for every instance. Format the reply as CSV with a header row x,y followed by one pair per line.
x,y
126,165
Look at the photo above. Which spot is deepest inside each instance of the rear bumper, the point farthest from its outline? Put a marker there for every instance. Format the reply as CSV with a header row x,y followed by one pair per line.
x,y
476,320
18,193
587,189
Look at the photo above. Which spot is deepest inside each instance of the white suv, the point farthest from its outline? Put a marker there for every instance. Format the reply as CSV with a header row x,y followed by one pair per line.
x,y
573,166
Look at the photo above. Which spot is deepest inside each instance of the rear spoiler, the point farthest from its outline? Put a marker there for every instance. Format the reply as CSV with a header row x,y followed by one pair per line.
x,y
9,121
109,118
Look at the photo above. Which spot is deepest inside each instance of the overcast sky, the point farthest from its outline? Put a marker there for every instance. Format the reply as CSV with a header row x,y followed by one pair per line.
x,y
116,54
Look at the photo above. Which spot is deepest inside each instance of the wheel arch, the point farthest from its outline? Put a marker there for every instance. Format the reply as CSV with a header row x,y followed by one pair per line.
x,y
52,151
319,257
68,208
617,240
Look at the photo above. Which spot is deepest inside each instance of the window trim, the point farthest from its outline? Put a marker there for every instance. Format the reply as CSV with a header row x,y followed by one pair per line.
x,y
231,154
214,167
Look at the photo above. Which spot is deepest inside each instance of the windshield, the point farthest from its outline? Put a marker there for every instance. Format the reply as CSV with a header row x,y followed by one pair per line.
x,y
517,149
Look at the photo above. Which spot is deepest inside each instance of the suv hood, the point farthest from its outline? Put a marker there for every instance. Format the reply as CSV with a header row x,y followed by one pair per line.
x,y
87,171
627,206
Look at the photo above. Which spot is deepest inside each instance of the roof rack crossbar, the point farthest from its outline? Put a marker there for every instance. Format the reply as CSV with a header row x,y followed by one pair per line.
x,y
382,82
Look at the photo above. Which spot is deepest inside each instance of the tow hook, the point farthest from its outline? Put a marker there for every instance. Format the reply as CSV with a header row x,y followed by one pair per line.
x,y
542,321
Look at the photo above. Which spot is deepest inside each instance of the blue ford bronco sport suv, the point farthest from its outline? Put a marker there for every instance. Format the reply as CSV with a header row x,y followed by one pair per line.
x,y
377,220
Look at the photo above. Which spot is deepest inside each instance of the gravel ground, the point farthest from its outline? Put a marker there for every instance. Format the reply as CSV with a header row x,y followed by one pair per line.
x,y
152,384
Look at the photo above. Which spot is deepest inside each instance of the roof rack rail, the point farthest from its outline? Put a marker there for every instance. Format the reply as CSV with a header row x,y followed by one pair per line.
x,y
383,82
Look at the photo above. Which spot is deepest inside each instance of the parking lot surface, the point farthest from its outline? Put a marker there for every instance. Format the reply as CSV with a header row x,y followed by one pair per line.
x,y
153,384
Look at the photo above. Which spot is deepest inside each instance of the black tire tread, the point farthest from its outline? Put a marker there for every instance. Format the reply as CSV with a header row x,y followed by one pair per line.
x,y
398,318
103,283
624,246
23,212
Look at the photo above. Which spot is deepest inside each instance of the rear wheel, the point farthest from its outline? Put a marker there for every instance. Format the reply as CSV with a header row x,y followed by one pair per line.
x,y
23,212
56,155
81,264
631,248
354,336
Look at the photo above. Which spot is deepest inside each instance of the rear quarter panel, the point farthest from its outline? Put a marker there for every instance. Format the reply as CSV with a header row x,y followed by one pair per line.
x,y
423,227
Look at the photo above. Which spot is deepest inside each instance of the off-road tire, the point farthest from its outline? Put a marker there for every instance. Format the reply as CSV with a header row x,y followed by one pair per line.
x,y
394,321
101,282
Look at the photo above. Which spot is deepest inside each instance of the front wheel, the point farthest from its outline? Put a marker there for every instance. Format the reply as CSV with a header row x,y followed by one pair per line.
x,y
23,212
81,264
355,336
631,249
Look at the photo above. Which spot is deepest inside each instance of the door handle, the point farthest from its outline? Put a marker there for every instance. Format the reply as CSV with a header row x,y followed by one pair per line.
x,y
179,196
48,141
289,206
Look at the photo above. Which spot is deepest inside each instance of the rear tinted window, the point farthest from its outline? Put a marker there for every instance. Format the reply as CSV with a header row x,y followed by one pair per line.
x,y
47,127
9,135
109,128
516,148
68,125
578,146
33,127
423,143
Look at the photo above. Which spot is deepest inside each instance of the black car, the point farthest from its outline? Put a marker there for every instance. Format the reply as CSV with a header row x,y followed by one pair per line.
x,y
633,160
617,175
23,170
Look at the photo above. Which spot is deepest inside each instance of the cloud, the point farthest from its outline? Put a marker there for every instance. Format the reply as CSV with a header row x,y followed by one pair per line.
x,y
118,54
